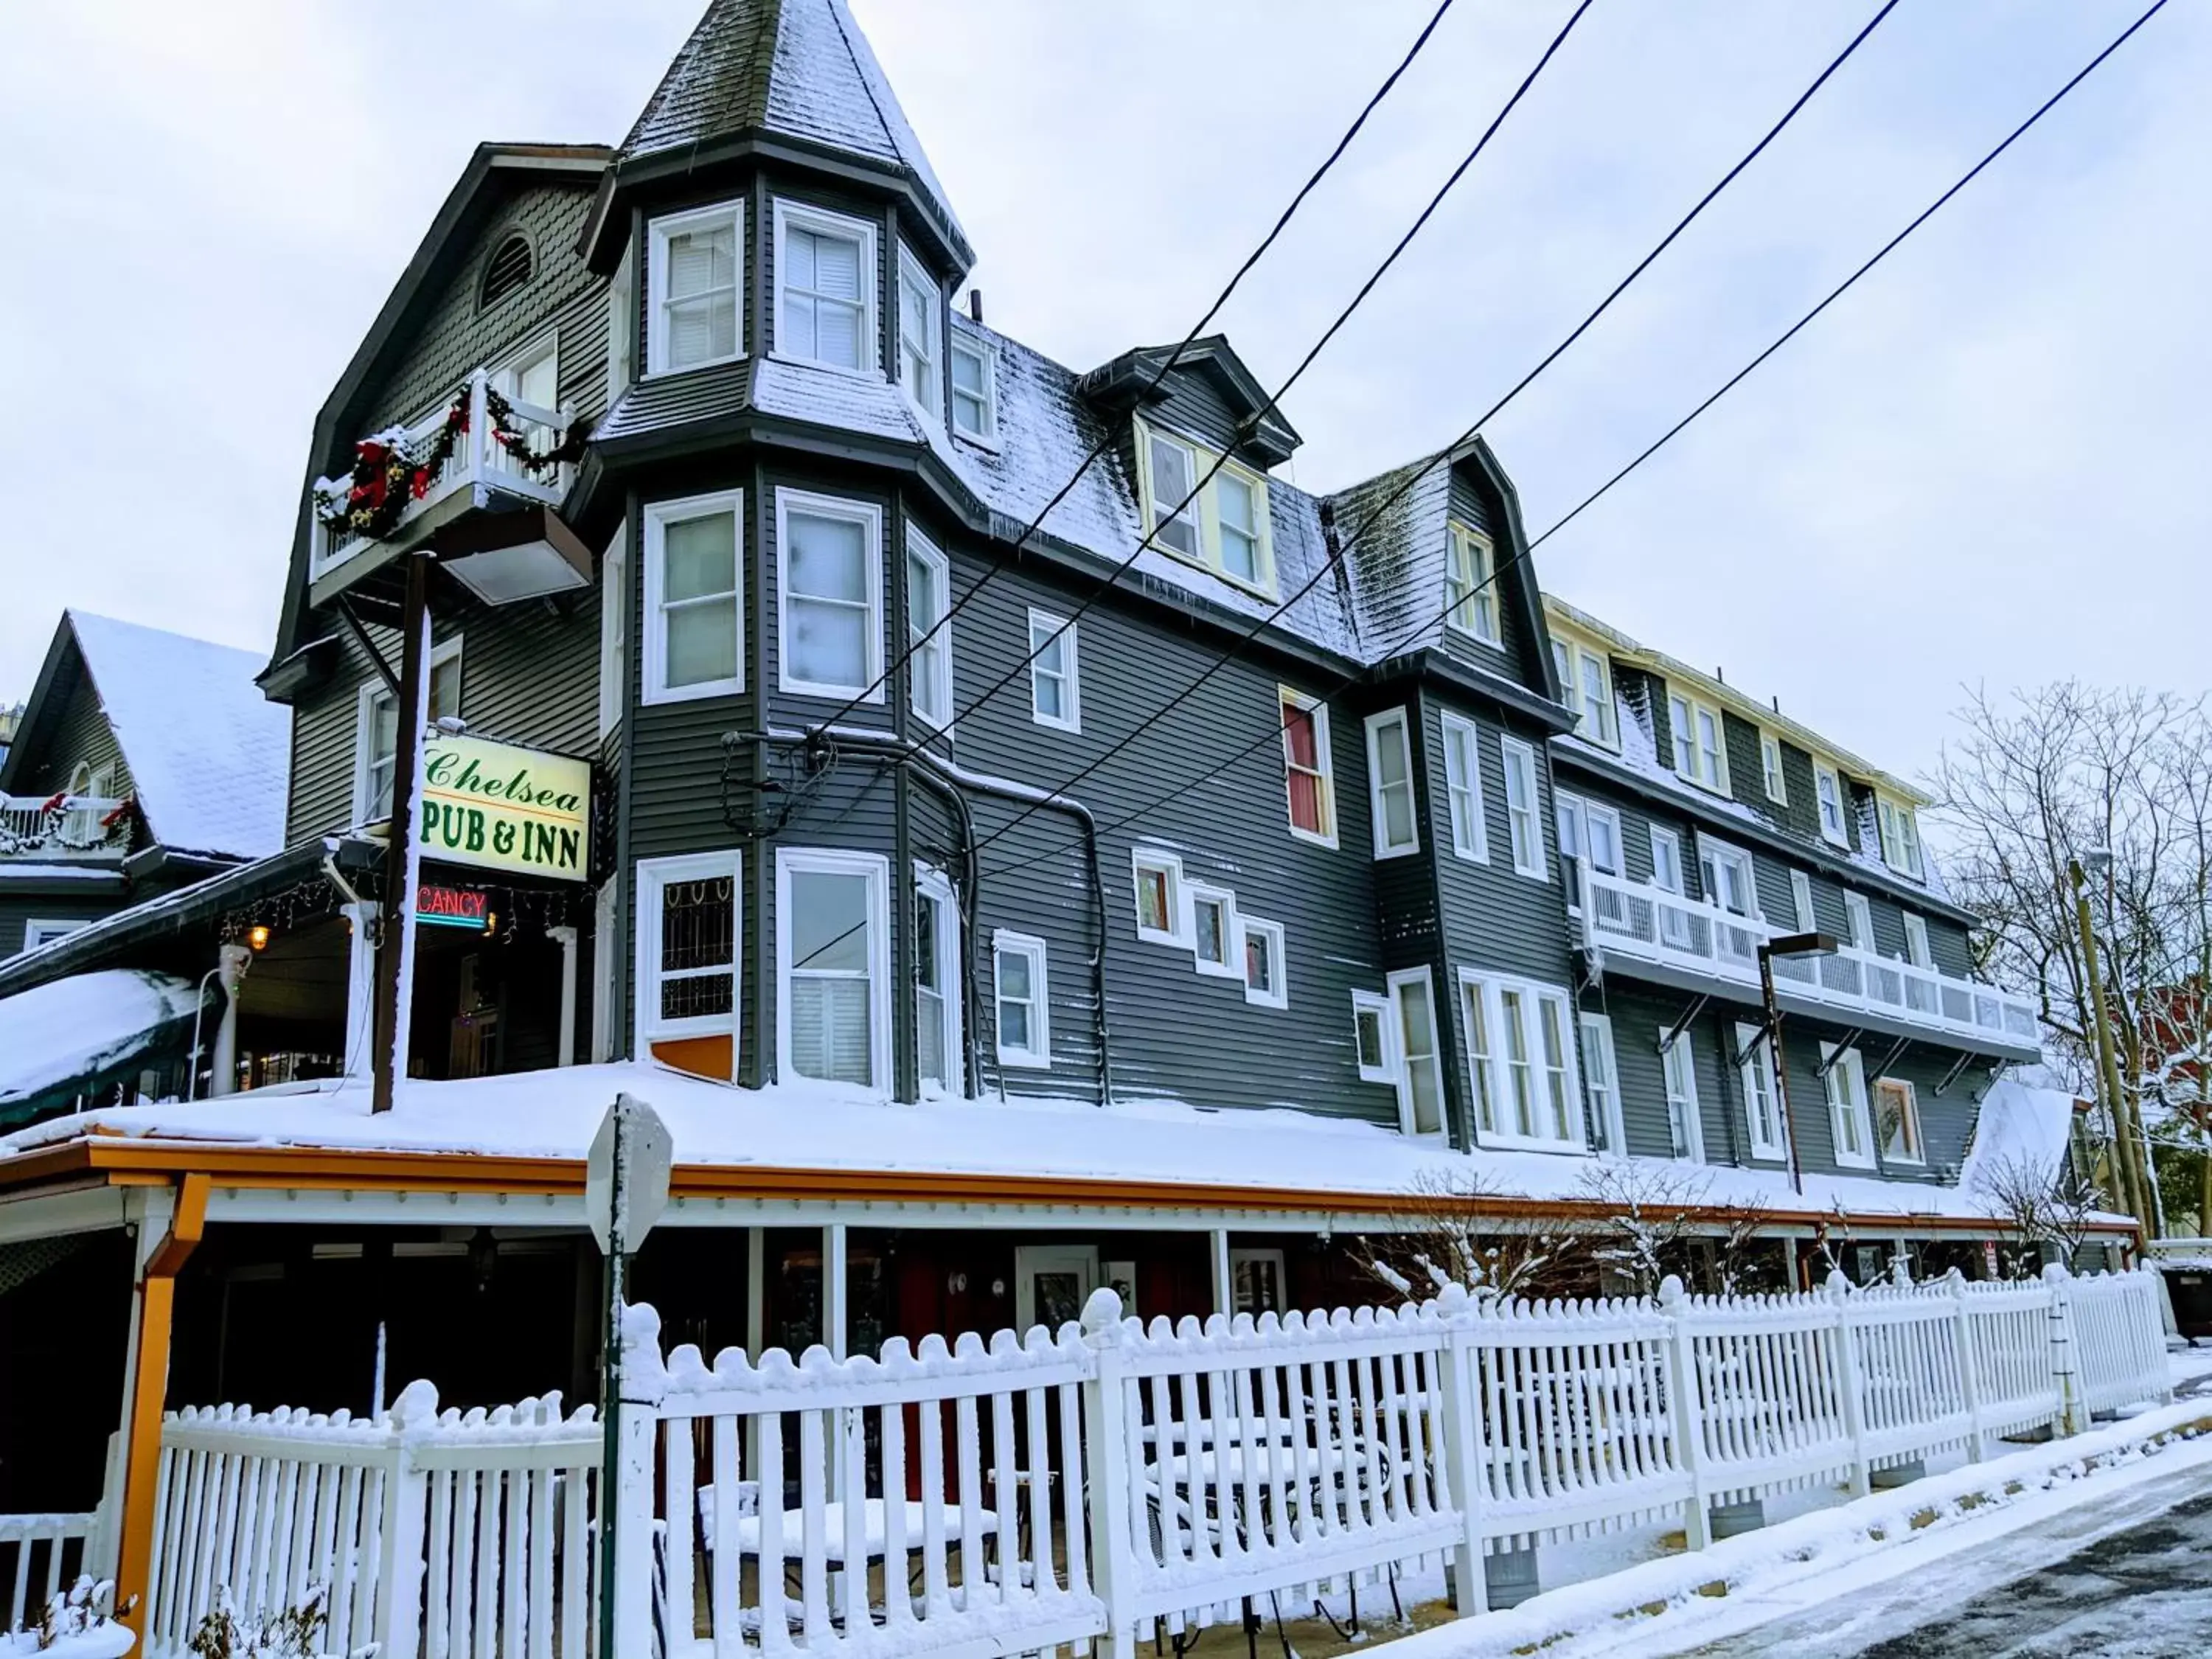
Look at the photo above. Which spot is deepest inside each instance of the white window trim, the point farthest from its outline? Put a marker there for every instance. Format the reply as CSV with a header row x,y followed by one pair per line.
x,y
45,930
1373,1002
1204,512
1772,778
1319,710
1421,976
1600,725
911,269
1898,832
444,652
1278,949
1858,907
871,517
1177,932
1596,1030
1851,1069
659,516
1238,1258
1039,1055
1232,963
1660,834
834,861
1918,950
988,352
1481,584
1534,993
614,631
1693,1122
1477,849
1063,633
1801,901
790,214
654,877
937,886
656,324
1748,1059
1718,783
1511,750
1376,724
1841,835
918,546
1918,1158
1728,849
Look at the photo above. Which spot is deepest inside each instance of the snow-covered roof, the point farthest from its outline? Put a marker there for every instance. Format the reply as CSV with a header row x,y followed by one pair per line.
x,y
2022,1128
829,1128
209,757
53,1037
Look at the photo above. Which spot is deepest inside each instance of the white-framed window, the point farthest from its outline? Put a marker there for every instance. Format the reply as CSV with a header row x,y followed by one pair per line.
x,y
1159,895
532,374
1470,594
1019,993
1859,916
826,289
830,586
1390,784
1171,474
1900,836
1762,1104
1590,839
1420,1069
929,635
1470,827
38,931
1897,1114
1309,780
1238,501
833,960
1916,951
1226,528
921,337
1586,688
1055,688
376,730
1522,810
1266,964
688,915
975,389
1666,859
1700,744
1685,1122
1521,1060
1602,1087
1372,1030
1259,1283
614,630
938,1050
694,311
1800,901
1770,768
1213,934
1844,1081
1828,795
694,606
1731,880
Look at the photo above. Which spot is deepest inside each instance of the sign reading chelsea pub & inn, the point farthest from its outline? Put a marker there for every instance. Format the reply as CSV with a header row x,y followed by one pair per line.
x,y
500,807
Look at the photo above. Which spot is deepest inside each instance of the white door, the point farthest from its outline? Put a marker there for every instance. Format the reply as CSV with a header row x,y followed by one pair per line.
x,y
1052,1282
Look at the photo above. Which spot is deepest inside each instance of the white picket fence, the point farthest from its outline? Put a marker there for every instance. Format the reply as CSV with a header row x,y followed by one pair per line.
x,y
42,1554
1110,1480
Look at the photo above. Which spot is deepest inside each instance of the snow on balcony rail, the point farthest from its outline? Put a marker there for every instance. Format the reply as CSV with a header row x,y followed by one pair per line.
x,y
63,826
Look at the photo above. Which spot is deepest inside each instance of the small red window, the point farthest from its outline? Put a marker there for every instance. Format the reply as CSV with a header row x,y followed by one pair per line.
x,y
1305,767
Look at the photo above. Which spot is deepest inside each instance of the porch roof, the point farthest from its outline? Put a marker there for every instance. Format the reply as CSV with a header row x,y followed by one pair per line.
x,y
527,1133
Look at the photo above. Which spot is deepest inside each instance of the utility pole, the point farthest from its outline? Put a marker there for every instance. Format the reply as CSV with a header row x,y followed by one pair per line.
x,y
2128,1147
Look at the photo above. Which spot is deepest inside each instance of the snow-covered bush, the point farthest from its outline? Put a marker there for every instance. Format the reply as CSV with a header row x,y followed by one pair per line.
x,y
290,1634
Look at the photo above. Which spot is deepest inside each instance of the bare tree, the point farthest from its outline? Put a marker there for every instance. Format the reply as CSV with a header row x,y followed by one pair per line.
x,y
1464,1228
2041,1206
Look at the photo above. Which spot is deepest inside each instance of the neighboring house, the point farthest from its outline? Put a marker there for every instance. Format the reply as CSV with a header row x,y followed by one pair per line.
x,y
143,761
1391,859
11,718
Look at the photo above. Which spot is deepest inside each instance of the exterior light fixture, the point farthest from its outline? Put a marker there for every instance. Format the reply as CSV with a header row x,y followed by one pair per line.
x,y
258,936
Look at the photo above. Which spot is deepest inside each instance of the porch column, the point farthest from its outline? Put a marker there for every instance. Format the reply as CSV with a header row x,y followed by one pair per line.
x,y
230,967
360,986
565,937
1789,1262
834,1324
1224,1285
150,1383
756,1322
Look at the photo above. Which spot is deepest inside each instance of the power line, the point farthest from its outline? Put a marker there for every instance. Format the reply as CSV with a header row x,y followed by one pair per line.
x,y
1174,357
1274,734
1389,499
1038,648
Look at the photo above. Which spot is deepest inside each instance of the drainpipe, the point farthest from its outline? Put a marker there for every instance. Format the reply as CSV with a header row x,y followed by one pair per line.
x,y
229,970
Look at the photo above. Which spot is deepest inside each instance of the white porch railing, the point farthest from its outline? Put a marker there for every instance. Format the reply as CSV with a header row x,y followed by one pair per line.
x,y
62,828
41,1555
1639,920
1109,1481
479,463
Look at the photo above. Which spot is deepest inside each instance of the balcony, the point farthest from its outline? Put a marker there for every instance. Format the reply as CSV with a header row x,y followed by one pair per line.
x,y
1704,943
63,829
482,468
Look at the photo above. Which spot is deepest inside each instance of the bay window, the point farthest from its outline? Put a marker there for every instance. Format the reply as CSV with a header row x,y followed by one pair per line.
x,y
921,337
1420,1069
825,288
833,966
830,579
693,597
929,635
688,913
693,307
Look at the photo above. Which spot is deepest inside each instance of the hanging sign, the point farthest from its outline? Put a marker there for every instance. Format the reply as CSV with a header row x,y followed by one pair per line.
x,y
452,907
499,807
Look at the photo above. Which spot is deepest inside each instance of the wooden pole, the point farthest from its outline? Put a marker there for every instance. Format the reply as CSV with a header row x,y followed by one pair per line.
x,y
157,1292
395,955
2128,1148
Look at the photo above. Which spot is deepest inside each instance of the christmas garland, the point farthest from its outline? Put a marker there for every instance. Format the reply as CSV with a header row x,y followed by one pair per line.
x,y
389,472
509,437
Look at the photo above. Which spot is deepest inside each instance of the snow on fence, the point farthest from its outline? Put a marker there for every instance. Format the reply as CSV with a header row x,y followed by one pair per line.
x,y
42,1554
430,1534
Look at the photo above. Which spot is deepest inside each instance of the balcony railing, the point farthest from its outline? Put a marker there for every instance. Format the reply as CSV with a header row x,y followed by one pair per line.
x,y
1638,920
62,829
480,463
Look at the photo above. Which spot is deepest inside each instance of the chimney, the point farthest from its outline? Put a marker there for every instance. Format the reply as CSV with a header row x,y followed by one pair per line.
x,y
976,305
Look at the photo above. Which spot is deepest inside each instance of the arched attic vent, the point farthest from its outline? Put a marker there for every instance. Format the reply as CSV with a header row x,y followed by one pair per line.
x,y
507,270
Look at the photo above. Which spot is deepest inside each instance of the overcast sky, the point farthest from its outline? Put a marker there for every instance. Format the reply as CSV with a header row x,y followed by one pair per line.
x,y
1987,464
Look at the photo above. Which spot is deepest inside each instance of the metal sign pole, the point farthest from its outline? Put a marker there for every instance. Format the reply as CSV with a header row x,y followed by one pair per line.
x,y
611,1379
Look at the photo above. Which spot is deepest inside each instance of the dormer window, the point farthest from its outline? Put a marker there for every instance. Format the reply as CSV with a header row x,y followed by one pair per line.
x,y
1226,528
826,289
1174,475
1586,688
1700,754
921,337
691,319
1900,836
1471,601
975,389
1828,792
1239,504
